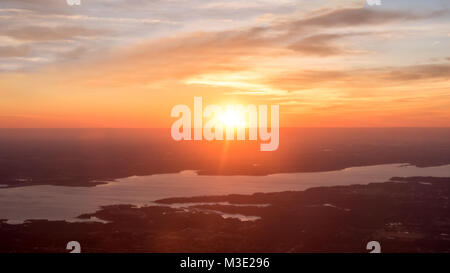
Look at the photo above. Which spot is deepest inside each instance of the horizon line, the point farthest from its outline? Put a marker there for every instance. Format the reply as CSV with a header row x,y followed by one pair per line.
x,y
287,127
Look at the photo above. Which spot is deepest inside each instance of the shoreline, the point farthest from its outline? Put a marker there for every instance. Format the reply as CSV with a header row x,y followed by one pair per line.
x,y
314,220
65,203
97,182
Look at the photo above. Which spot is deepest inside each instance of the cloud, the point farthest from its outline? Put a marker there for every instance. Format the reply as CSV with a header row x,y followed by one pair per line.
x,y
362,85
14,51
182,57
401,73
360,16
75,53
322,45
294,34
419,72
41,6
173,59
352,17
40,33
314,36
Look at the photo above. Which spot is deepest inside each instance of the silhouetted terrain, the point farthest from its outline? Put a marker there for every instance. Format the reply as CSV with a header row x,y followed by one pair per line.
x,y
403,216
84,157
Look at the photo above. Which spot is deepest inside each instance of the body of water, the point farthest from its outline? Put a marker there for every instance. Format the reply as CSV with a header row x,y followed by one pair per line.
x,y
65,203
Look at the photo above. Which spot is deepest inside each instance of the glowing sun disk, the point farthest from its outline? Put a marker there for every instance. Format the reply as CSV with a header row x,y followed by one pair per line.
x,y
232,118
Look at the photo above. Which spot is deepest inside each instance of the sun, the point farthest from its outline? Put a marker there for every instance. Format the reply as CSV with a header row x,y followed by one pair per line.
x,y
232,117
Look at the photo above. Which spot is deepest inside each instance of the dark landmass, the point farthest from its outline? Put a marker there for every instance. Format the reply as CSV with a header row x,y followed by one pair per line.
x,y
86,157
408,216
424,179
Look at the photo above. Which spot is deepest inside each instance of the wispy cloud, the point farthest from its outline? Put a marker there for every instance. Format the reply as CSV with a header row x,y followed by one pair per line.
x,y
14,51
40,33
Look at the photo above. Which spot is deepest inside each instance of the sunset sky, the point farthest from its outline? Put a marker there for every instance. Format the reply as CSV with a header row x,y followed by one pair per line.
x,y
126,63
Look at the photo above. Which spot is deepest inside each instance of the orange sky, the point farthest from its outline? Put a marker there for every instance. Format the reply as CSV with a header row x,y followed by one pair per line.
x,y
326,65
